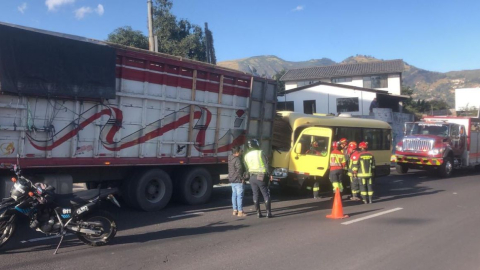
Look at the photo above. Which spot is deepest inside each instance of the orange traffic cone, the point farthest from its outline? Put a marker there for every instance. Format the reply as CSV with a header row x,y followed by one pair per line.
x,y
337,210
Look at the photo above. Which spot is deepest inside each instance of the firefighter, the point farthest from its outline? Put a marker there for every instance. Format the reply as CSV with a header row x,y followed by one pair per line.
x,y
363,169
352,155
257,166
337,165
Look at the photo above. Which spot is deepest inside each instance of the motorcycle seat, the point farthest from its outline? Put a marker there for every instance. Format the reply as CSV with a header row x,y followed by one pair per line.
x,y
81,197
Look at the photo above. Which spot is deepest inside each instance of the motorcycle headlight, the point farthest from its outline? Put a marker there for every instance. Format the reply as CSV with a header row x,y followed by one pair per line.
x,y
280,172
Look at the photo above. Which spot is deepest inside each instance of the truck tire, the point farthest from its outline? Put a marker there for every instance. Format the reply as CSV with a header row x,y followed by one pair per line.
x,y
195,186
445,170
401,168
151,191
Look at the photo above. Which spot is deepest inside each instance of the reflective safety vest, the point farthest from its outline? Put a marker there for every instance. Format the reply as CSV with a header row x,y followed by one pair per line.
x,y
365,165
255,162
353,159
337,160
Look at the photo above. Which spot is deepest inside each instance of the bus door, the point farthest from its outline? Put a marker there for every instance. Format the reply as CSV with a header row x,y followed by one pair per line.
x,y
310,155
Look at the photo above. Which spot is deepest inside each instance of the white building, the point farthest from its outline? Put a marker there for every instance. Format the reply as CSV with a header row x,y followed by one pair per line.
x,y
467,98
344,88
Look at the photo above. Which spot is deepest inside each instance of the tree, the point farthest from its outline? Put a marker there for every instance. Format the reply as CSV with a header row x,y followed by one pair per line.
x,y
175,37
128,37
280,84
420,107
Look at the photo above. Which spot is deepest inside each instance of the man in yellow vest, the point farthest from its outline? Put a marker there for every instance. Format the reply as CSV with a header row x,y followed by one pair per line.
x,y
257,166
364,169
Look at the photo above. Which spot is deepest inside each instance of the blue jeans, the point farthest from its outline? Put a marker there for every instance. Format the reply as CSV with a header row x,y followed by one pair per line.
x,y
237,196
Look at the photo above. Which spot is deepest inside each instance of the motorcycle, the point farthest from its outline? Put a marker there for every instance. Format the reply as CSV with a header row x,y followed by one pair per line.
x,y
58,214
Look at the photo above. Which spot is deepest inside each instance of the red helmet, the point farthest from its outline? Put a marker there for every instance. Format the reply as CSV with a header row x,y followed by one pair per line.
x,y
352,145
363,145
343,141
335,145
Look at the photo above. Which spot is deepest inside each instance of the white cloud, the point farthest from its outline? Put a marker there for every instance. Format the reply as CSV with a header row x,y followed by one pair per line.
x,y
81,12
54,4
22,8
298,8
100,10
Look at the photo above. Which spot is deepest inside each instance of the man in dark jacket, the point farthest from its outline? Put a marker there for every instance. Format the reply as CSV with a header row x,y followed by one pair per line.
x,y
235,177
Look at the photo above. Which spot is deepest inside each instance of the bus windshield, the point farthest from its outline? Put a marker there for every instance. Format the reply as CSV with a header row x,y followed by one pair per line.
x,y
429,129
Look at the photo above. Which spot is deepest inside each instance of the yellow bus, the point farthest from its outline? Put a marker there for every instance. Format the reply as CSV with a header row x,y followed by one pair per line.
x,y
302,143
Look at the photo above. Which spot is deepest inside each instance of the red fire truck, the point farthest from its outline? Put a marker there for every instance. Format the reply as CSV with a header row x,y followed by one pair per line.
x,y
439,144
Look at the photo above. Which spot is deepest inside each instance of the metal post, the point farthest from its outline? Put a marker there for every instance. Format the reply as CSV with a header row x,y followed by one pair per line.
x,y
151,43
156,43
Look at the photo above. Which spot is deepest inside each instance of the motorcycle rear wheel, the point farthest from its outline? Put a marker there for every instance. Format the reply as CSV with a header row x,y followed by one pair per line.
x,y
109,229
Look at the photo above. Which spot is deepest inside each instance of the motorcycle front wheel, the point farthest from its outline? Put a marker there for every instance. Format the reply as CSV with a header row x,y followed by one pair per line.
x,y
7,229
108,228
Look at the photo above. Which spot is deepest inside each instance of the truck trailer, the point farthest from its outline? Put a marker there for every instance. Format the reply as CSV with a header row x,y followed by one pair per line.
x,y
80,110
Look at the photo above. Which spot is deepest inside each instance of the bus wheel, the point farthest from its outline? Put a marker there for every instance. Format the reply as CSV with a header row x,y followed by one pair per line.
x,y
401,168
195,186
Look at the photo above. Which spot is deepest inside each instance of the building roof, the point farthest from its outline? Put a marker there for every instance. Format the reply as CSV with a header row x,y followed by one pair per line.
x,y
344,70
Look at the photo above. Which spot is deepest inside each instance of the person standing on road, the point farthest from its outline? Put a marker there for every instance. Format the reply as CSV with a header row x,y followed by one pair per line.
x,y
257,166
235,177
352,155
337,165
315,150
363,168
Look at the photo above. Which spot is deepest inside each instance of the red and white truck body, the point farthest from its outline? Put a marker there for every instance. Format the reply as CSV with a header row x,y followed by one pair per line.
x,y
168,128
439,143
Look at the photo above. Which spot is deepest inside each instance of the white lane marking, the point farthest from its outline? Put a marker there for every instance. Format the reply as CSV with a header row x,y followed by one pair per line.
x,y
43,238
372,216
186,215
397,181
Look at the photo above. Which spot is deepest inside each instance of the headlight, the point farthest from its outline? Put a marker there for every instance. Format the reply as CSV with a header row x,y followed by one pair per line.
x,y
280,172
436,151
399,148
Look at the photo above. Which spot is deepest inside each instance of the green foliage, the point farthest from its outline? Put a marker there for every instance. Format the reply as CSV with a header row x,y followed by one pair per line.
x,y
128,37
421,106
280,84
175,37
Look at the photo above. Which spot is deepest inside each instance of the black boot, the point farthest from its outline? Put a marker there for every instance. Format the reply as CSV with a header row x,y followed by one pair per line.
x,y
268,205
370,199
257,208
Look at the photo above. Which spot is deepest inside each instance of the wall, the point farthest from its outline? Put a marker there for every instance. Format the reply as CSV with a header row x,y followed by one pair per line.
x,y
467,97
394,83
326,98
396,121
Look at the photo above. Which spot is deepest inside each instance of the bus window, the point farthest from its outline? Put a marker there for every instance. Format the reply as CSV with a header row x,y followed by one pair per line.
x,y
373,137
350,133
387,139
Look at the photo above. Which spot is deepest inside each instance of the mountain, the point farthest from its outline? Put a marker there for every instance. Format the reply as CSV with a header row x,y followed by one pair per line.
x,y
427,85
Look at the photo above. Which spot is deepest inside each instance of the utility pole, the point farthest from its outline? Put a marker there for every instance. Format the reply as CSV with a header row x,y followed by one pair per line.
x,y
207,45
151,42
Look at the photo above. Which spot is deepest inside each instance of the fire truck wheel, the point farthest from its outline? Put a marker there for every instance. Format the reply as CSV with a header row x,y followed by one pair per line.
x,y
151,191
401,168
446,169
195,186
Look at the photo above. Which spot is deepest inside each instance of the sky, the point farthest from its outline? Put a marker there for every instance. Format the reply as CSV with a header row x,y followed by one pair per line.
x,y
436,35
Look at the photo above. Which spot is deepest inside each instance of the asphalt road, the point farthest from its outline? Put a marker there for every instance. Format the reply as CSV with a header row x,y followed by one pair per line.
x,y
416,222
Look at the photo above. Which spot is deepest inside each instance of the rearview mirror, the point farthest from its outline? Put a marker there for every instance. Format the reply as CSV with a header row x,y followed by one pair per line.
x,y
298,148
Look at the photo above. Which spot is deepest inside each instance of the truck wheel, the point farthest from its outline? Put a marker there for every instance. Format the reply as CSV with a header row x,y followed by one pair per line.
x,y
401,168
151,191
195,186
446,169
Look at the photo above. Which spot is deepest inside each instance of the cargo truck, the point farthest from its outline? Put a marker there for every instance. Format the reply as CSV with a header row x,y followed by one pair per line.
x,y
81,110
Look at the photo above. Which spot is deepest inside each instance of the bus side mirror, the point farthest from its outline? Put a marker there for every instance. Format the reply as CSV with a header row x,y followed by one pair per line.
x,y
298,148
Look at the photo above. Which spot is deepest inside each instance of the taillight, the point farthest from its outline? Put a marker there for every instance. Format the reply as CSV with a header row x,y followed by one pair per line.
x,y
14,179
